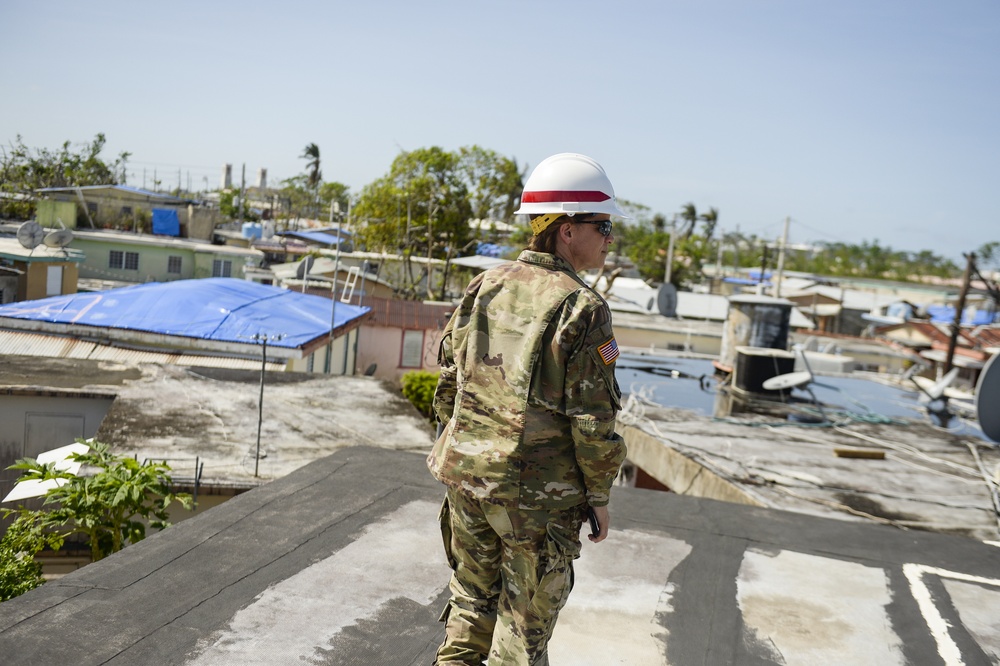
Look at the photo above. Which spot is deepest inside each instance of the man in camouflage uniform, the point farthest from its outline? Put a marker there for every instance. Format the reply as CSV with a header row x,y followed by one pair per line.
x,y
529,398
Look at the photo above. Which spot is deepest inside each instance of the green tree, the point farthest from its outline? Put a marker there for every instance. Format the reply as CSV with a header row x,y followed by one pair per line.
x,y
493,181
24,170
422,207
111,506
229,205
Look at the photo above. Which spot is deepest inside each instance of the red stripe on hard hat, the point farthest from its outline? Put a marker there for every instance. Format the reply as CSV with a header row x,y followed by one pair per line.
x,y
552,196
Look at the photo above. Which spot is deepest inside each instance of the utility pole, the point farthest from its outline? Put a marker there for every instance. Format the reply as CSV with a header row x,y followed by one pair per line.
x,y
957,324
781,258
243,182
263,338
718,263
670,251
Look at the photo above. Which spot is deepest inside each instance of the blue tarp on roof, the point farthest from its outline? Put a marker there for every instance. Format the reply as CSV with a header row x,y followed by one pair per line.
x,y
217,309
318,236
744,281
970,317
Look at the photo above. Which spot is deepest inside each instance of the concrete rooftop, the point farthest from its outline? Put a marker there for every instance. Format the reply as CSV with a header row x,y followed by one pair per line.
x,y
336,557
340,562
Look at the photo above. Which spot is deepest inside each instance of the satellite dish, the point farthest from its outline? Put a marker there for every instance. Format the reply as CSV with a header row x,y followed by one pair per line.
x,y
666,300
988,399
30,235
302,270
787,381
59,238
936,390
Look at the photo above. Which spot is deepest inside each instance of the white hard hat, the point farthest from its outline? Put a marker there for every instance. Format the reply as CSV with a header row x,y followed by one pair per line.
x,y
568,183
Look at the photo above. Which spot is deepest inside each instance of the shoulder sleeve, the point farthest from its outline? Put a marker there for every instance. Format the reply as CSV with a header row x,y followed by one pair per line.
x,y
447,386
593,398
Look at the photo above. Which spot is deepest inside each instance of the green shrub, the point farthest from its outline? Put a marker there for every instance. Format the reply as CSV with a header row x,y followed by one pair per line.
x,y
418,387
19,571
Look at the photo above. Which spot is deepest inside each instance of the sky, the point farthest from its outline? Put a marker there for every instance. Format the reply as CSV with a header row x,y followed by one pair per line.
x,y
859,120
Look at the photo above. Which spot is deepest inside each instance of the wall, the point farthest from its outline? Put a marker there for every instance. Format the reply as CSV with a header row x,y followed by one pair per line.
x,y
196,260
32,286
201,222
38,421
692,341
382,345
341,361
50,213
152,261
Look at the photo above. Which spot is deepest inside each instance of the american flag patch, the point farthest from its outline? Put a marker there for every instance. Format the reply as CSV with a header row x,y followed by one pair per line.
x,y
608,351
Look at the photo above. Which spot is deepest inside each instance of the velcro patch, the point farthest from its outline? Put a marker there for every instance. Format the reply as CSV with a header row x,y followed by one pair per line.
x,y
608,351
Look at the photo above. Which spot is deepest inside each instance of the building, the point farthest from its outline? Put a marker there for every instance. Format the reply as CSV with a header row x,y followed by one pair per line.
x,y
124,207
203,322
27,274
137,258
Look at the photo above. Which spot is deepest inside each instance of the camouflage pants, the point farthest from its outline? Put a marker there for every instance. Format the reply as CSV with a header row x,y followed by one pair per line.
x,y
512,573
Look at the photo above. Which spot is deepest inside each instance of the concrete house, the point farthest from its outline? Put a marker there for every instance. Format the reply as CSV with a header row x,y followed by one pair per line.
x,y
123,207
137,258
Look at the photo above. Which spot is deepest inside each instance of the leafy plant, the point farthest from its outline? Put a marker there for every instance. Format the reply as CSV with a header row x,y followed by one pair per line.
x,y
19,571
418,388
111,506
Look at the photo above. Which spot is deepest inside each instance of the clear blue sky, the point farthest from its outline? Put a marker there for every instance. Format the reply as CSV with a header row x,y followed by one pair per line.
x,y
859,119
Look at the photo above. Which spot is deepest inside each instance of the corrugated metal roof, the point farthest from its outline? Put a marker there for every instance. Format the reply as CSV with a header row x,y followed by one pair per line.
x,y
17,343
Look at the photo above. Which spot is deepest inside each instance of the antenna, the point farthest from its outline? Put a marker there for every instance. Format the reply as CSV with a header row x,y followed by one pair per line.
x,y
987,399
30,235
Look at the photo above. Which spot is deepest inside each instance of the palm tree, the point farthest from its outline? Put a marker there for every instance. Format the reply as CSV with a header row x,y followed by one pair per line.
x,y
311,153
690,216
711,218
314,175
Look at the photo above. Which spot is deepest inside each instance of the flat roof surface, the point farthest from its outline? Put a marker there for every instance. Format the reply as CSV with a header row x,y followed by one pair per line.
x,y
340,562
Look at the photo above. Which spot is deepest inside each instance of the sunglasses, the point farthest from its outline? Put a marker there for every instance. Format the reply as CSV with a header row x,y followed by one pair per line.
x,y
603,226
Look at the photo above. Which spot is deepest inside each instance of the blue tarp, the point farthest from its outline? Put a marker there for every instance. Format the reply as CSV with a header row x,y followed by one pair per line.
x,y
165,222
320,236
971,316
745,281
218,309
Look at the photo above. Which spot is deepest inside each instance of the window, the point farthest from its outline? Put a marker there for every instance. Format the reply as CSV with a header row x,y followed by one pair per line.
x,y
126,211
92,208
222,268
174,265
311,362
123,260
413,349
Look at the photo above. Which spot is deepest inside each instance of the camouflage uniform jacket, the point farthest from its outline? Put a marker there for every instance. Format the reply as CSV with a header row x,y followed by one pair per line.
x,y
528,391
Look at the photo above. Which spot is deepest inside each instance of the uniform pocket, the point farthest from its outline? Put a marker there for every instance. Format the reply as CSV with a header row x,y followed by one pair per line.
x,y
561,547
444,518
